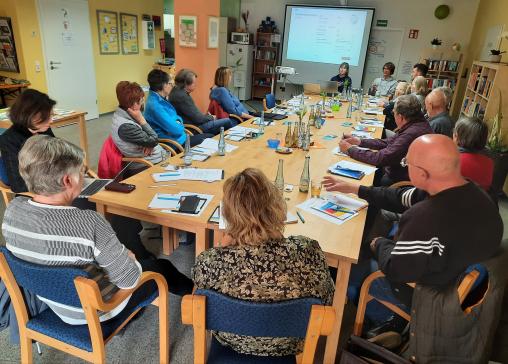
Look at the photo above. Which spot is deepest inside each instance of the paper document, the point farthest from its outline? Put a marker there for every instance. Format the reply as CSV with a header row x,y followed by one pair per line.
x,y
164,201
190,174
361,134
257,121
342,199
210,146
371,122
373,111
310,206
241,131
354,166
170,210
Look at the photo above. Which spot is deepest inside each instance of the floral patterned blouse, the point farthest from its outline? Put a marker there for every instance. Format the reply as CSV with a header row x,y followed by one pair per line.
x,y
274,271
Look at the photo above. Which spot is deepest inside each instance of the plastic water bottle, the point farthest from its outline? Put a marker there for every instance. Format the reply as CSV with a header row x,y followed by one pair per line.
x,y
262,122
187,156
221,146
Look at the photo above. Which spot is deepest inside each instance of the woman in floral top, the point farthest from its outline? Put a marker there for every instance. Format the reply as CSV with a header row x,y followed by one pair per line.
x,y
256,262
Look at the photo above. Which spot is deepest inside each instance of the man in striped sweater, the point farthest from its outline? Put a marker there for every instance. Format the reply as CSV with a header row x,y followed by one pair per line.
x,y
47,230
449,222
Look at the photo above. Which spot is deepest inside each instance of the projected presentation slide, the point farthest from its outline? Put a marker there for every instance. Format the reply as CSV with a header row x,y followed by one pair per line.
x,y
326,35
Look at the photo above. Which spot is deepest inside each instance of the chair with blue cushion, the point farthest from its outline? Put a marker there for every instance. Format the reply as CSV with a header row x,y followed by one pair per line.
x,y
474,276
268,102
6,191
303,318
73,287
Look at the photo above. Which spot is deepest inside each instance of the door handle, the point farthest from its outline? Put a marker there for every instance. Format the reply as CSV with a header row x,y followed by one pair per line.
x,y
52,63
53,68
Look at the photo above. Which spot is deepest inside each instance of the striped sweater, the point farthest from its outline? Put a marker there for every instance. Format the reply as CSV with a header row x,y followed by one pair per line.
x,y
63,236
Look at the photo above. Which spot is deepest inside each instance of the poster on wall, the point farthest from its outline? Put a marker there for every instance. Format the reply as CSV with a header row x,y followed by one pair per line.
x,y
213,32
129,24
188,31
8,57
107,23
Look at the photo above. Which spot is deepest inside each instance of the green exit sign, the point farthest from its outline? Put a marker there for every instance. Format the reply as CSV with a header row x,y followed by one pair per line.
x,y
382,23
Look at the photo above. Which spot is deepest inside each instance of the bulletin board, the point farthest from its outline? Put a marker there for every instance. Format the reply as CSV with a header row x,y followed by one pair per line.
x,y
129,26
8,57
107,22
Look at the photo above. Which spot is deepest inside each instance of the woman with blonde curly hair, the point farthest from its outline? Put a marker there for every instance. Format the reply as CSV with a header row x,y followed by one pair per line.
x,y
258,263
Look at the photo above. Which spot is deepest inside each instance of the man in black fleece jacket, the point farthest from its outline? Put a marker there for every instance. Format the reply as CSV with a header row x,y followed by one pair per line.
x,y
449,223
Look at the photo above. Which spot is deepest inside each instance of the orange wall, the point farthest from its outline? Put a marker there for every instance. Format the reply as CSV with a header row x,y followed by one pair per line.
x,y
202,60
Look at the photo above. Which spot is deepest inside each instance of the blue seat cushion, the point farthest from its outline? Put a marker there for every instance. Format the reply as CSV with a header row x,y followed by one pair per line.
x,y
225,355
48,323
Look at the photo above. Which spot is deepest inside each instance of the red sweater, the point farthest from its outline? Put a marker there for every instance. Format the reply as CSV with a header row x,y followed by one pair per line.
x,y
478,168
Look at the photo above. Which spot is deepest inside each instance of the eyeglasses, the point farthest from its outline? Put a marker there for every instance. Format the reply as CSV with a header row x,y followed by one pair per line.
x,y
404,163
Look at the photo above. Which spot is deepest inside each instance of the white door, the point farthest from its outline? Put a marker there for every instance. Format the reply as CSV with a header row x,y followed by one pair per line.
x,y
67,44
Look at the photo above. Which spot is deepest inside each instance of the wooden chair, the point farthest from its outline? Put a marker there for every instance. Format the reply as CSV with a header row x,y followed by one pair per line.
x,y
303,318
192,129
473,277
73,287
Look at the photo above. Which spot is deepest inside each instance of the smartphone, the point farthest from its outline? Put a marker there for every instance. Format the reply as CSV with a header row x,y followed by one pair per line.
x,y
120,187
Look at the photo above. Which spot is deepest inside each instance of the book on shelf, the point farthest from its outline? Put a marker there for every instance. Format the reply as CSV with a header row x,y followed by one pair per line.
x,y
442,65
432,83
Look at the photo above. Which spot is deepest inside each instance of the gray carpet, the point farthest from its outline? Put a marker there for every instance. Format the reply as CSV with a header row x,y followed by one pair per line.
x,y
139,341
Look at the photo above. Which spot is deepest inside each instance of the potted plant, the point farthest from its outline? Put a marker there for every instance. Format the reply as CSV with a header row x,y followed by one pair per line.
x,y
436,42
495,55
498,150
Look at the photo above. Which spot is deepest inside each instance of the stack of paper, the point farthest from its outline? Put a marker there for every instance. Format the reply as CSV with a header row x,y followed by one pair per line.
x,y
257,121
190,174
169,203
373,111
239,132
210,146
371,122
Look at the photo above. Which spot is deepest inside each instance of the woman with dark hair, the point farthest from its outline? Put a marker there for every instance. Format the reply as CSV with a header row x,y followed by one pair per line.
x,y
470,135
221,94
257,263
30,115
343,77
130,132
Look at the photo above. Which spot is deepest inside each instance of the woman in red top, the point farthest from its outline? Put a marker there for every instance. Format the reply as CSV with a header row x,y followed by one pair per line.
x,y
470,135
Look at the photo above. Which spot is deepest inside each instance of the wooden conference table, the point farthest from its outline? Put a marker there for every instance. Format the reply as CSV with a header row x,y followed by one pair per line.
x,y
76,117
341,243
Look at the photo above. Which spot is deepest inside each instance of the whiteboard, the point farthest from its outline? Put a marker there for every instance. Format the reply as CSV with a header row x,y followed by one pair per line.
x,y
385,45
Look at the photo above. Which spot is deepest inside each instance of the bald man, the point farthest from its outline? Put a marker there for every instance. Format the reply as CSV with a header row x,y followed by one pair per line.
x,y
449,223
437,112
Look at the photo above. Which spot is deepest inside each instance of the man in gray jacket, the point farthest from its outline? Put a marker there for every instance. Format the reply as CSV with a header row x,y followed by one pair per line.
x,y
437,113
180,98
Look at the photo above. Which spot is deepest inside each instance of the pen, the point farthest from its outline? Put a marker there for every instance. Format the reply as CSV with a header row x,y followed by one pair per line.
x,y
155,186
300,216
168,198
169,174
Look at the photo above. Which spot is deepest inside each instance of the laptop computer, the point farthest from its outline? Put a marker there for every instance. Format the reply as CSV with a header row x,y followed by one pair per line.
x,y
93,185
311,88
330,87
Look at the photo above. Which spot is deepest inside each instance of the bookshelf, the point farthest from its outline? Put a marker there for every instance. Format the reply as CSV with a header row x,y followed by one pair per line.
x,y
481,97
445,69
265,60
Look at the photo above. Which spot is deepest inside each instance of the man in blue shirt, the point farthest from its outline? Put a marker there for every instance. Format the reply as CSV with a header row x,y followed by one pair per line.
x,y
161,115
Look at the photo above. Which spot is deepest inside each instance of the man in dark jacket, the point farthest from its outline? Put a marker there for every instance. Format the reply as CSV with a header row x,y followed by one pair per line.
x,y
449,222
387,153
180,98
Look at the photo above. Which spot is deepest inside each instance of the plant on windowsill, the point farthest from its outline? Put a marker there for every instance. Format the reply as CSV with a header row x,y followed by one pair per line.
x,y
498,150
495,55
436,42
